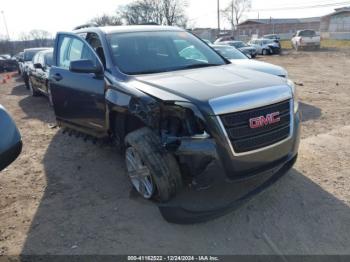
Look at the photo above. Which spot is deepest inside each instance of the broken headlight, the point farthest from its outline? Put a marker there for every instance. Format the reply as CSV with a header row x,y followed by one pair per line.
x,y
180,119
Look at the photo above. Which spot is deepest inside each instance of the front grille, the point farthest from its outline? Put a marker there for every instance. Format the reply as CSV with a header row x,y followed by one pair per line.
x,y
244,139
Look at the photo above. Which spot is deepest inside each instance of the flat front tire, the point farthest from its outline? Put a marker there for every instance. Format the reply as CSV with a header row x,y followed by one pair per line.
x,y
153,171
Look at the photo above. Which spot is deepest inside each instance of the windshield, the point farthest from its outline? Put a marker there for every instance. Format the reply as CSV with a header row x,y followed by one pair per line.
x,y
29,54
230,52
155,52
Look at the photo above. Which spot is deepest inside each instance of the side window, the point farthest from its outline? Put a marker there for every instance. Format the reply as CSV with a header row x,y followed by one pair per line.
x,y
76,50
63,60
72,49
95,43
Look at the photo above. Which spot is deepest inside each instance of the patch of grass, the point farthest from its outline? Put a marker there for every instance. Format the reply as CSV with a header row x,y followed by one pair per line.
x,y
329,43
286,44
325,43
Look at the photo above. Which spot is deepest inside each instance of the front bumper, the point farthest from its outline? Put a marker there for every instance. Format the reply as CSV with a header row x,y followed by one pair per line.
x,y
309,44
239,166
234,179
200,206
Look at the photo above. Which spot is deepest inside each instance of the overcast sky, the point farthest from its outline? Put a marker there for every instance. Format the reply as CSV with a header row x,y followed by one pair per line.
x,y
63,15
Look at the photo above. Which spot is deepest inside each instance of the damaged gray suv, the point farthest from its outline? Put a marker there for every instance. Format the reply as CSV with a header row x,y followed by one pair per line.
x,y
172,113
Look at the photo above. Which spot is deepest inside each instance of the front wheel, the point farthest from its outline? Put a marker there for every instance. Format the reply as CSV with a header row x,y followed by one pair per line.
x,y
153,172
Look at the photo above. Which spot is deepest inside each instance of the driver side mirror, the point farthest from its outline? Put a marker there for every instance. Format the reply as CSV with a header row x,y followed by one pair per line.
x,y
85,66
10,139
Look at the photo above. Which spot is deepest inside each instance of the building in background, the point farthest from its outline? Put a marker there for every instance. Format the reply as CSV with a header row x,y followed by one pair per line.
x,y
337,24
283,27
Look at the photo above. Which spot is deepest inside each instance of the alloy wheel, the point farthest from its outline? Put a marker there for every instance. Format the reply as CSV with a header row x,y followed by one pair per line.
x,y
139,173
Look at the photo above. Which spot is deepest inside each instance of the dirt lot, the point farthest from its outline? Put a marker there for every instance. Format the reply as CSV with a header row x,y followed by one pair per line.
x,y
65,196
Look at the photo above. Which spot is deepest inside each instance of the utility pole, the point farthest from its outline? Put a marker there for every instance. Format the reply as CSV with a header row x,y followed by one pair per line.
x,y
7,30
218,17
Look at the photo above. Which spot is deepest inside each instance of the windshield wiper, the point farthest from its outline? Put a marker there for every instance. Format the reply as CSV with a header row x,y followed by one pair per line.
x,y
146,72
198,66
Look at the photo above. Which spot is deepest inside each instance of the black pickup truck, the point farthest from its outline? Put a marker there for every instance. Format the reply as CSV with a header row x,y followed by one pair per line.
x,y
172,114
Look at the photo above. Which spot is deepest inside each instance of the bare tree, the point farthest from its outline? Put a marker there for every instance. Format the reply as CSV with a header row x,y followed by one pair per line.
x,y
235,11
38,34
105,20
142,12
24,36
162,12
174,12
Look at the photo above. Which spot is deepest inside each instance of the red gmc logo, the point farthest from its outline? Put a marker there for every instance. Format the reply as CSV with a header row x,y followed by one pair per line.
x,y
262,121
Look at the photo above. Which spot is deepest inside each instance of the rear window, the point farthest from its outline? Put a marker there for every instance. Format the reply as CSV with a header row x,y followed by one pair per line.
x,y
309,33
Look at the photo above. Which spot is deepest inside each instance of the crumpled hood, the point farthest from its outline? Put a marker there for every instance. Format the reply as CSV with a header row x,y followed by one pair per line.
x,y
260,66
200,85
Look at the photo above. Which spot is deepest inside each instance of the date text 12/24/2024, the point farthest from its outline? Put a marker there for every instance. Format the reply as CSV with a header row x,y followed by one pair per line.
x,y
173,258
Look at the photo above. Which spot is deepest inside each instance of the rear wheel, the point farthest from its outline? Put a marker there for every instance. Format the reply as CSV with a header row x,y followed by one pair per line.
x,y
265,52
153,172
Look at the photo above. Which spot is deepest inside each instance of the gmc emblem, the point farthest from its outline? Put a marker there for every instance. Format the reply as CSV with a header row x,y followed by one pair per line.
x,y
262,121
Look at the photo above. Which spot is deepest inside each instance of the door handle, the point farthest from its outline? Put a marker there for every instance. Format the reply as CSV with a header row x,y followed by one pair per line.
x,y
57,77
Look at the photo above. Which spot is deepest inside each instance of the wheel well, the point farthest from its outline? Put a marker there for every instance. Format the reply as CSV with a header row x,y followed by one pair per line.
x,y
122,124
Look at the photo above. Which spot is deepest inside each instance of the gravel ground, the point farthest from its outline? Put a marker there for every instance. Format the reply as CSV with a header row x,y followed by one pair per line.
x,y
67,196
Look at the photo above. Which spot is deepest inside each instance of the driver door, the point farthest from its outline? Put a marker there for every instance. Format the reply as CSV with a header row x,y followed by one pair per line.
x,y
78,97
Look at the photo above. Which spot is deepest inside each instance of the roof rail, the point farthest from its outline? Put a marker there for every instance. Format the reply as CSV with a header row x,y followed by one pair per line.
x,y
85,26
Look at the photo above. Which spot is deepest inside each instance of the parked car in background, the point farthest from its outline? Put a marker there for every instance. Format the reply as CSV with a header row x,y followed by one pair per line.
x,y
27,62
224,38
10,139
243,47
306,39
172,114
20,59
38,74
6,56
272,36
266,46
7,64
238,58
